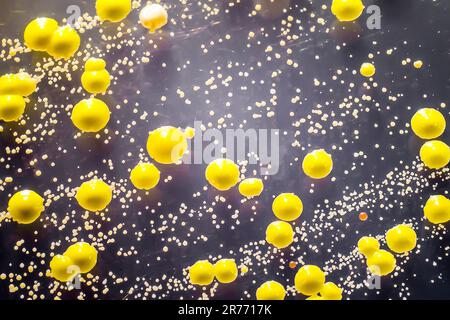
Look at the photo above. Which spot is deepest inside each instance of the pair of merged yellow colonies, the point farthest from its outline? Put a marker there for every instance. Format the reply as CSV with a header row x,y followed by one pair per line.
x,y
145,176
202,272
13,89
309,280
317,164
80,257
44,34
429,123
223,174
92,115
437,209
94,195
286,207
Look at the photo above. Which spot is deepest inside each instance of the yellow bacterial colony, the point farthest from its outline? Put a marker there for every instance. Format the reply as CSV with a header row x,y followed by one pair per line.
x,y
153,17
251,187
95,78
347,10
166,145
317,164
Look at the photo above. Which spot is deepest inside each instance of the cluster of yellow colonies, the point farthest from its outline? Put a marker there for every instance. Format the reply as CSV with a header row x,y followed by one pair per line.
x,y
92,115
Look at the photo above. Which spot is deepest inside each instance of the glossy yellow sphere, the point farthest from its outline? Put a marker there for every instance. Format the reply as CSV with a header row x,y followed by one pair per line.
x,y
25,206
21,84
309,280
38,33
280,234
12,107
145,176
437,209
222,174
95,79
435,154
428,123
64,43
83,255
367,69
368,246
287,206
331,291
62,268
381,263
94,64
401,238
271,290
347,10
251,187
244,270
113,10
94,195
166,144
201,273
225,270
317,164
153,17
90,115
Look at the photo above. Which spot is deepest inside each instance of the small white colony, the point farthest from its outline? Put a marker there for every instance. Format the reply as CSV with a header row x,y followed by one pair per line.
x,y
153,17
